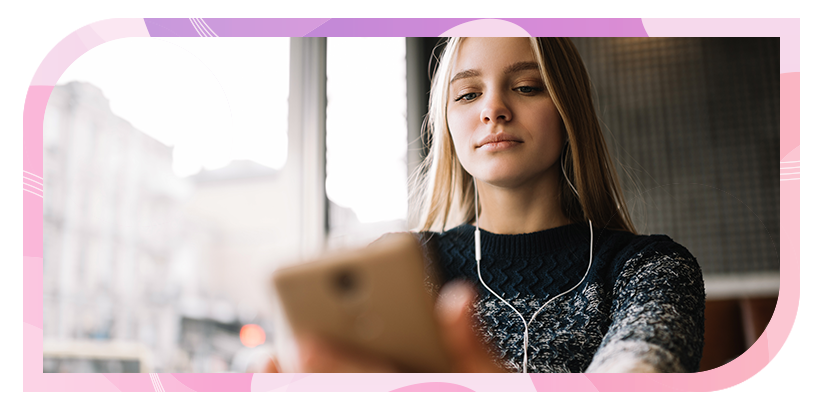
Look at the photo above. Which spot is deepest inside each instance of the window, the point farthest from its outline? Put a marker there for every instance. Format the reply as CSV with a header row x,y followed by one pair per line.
x,y
366,139
181,172
168,197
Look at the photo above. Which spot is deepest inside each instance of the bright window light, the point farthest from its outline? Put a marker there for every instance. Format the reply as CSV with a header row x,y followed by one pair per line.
x,y
215,100
366,127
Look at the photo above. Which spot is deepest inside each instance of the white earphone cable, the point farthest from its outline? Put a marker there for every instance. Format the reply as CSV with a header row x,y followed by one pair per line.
x,y
478,256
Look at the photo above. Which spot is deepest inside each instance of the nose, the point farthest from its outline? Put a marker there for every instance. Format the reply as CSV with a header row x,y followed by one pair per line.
x,y
495,110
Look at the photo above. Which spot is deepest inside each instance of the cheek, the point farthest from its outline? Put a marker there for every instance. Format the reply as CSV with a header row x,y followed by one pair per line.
x,y
460,135
460,148
553,128
456,123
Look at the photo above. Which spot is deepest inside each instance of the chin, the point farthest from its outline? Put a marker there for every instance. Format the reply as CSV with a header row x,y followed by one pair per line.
x,y
504,180
514,176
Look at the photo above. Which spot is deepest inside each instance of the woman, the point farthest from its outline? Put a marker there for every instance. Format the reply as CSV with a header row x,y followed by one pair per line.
x,y
518,196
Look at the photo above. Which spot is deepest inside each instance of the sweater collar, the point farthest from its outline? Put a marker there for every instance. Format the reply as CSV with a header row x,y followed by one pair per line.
x,y
530,244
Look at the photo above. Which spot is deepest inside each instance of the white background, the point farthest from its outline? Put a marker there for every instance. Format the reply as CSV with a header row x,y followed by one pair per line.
x,y
31,29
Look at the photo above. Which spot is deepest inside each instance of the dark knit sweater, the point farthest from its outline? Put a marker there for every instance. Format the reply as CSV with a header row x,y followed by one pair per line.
x,y
641,305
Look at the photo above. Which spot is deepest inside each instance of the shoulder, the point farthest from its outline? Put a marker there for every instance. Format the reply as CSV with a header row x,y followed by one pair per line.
x,y
655,267
426,239
456,239
632,251
657,252
650,260
627,245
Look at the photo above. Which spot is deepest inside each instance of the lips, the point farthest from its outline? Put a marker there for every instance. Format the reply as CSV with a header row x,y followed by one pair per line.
x,y
498,140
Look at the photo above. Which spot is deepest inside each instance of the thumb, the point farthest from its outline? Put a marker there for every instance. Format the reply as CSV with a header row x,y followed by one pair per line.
x,y
272,365
454,314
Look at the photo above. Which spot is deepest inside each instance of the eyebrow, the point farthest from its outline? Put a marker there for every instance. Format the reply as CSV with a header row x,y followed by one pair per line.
x,y
521,66
468,73
515,67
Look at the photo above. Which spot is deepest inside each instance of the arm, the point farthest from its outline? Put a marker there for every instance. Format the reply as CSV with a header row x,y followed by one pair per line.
x,y
657,314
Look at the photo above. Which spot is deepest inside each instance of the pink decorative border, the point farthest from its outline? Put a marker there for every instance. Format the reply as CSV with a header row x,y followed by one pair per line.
x,y
735,372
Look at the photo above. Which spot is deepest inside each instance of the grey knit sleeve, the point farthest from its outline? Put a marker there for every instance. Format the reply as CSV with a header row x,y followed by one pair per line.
x,y
657,314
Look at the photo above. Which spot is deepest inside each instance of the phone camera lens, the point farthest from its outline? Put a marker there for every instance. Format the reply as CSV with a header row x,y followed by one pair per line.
x,y
345,282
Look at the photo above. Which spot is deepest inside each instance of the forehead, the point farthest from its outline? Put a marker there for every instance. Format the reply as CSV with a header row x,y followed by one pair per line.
x,y
491,53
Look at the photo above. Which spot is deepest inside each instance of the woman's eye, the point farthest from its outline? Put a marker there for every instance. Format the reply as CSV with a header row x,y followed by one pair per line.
x,y
527,89
468,97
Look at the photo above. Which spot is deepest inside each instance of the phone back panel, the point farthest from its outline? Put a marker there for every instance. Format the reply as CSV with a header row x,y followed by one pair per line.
x,y
374,299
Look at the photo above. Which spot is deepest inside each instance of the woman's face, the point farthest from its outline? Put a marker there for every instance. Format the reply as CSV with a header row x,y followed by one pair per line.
x,y
506,129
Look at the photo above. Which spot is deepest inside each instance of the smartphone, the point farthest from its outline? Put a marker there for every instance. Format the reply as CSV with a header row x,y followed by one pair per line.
x,y
377,299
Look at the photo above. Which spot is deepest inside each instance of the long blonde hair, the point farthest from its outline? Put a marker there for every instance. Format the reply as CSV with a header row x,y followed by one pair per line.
x,y
443,191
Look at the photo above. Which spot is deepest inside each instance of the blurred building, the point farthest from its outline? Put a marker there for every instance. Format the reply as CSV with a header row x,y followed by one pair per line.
x,y
111,227
138,258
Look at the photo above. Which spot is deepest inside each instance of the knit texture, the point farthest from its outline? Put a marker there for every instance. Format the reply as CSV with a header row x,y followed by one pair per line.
x,y
641,307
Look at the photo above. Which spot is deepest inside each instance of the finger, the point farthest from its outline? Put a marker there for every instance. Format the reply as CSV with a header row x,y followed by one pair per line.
x,y
313,356
272,365
454,313
318,355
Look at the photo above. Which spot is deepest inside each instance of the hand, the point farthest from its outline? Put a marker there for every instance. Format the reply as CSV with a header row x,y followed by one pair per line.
x,y
317,355
453,313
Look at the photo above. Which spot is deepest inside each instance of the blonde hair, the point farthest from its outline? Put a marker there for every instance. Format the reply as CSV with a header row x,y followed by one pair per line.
x,y
443,191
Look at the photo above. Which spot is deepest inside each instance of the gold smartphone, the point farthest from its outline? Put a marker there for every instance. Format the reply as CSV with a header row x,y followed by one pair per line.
x,y
373,299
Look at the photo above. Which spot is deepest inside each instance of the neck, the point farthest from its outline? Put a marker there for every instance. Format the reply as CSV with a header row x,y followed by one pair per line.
x,y
523,209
